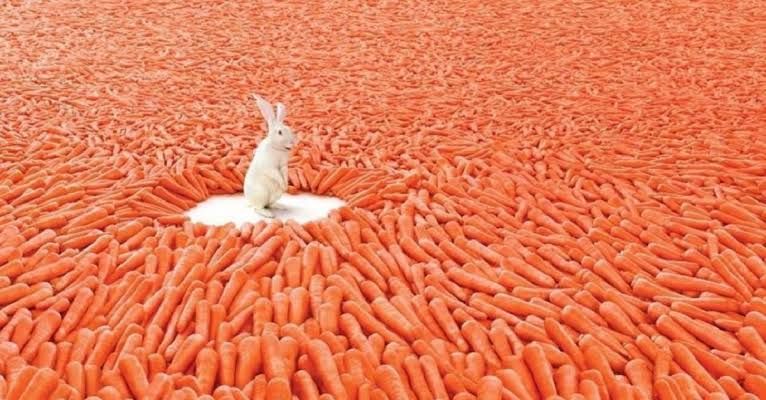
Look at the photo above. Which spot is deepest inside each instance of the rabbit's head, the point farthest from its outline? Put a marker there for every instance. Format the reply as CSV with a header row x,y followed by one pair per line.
x,y
279,135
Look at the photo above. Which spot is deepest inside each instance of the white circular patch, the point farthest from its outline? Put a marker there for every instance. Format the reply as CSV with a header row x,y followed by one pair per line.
x,y
301,208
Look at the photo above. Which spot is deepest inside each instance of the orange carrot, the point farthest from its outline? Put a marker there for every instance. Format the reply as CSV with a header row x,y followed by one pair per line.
x,y
684,357
541,369
305,387
47,272
46,325
752,342
756,384
134,376
40,385
321,358
206,369
248,360
187,353
227,353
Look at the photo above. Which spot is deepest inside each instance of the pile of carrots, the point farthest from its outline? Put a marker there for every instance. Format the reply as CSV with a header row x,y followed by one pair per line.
x,y
558,200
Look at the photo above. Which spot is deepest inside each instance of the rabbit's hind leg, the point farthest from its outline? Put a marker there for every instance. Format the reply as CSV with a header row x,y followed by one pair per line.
x,y
273,205
257,200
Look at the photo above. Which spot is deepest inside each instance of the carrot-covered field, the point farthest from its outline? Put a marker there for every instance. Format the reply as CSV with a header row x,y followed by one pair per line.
x,y
545,200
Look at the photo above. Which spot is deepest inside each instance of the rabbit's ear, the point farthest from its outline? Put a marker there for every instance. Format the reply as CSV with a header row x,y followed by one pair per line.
x,y
281,112
266,110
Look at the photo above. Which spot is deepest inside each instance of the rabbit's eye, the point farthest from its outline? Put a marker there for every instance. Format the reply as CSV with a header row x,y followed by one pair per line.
x,y
279,132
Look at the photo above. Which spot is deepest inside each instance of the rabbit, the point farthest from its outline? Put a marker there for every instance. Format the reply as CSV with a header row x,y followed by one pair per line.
x,y
266,177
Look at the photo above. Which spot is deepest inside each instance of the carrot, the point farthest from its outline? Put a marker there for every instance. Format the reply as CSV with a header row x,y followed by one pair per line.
x,y
134,376
440,312
189,307
755,384
13,268
278,388
685,358
46,355
19,381
109,393
389,315
156,364
474,282
707,333
490,388
12,293
557,333
273,363
541,369
370,323
479,341
718,367
22,331
41,385
669,327
47,272
731,387
640,375
206,369
34,243
227,352
752,342
388,379
187,353
432,377
685,283
320,357
76,311
160,387
46,325
503,343
565,378
248,360
305,387
63,351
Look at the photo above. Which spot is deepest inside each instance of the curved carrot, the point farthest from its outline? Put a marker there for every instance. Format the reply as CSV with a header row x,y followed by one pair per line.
x,y
187,353
541,369
321,358
40,385
685,358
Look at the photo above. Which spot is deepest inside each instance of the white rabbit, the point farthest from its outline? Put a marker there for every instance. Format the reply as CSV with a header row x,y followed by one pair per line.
x,y
266,177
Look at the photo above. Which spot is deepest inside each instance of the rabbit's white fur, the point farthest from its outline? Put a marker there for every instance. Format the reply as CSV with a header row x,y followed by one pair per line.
x,y
266,177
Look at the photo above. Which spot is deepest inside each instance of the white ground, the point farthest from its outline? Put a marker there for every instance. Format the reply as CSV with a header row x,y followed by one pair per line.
x,y
222,209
